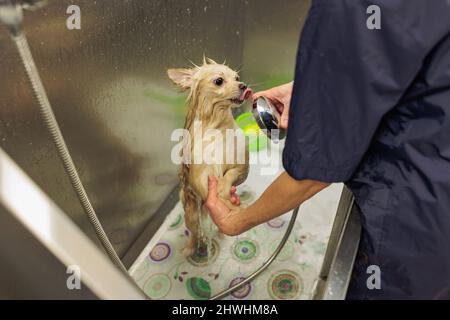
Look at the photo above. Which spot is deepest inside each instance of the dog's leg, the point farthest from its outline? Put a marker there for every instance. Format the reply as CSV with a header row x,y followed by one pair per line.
x,y
192,224
233,176
191,220
205,227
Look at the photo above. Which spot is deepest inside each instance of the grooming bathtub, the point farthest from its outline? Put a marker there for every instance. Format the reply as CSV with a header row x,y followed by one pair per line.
x,y
116,110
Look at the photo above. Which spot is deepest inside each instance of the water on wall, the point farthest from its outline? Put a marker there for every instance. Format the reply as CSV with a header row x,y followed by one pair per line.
x,y
115,106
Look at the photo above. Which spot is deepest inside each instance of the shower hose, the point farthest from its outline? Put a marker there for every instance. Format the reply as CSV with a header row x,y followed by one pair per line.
x,y
63,152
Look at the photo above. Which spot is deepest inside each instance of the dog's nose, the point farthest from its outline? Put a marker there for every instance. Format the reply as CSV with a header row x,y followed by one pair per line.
x,y
242,86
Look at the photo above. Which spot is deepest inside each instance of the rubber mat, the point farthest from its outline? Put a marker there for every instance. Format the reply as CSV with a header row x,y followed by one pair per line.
x,y
163,273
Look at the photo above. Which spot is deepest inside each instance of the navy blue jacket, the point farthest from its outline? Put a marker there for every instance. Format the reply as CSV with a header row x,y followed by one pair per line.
x,y
371,107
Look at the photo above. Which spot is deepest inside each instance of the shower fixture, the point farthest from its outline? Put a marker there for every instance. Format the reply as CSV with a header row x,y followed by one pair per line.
x,y
267,117
11,15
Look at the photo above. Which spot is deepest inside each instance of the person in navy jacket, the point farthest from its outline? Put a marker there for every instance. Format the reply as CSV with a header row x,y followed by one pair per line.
x,y
370,107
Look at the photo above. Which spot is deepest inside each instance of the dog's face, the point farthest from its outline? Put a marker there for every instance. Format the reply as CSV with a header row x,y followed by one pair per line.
x,y
216,83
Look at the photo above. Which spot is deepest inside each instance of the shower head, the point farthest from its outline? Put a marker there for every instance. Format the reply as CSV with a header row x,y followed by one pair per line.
x,y
11,16
267,117
11,12
27,4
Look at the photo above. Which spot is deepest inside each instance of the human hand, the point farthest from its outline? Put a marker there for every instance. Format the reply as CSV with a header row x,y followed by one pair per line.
x,y
281,98
223,213
234,197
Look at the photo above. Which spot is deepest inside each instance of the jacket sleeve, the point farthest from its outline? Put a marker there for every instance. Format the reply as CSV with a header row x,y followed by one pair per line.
x,y
348,77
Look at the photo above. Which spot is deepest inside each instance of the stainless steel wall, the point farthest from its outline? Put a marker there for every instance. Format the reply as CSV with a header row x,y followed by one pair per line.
x,y
115,106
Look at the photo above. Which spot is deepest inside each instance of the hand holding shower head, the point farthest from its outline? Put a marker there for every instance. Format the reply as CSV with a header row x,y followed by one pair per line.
x,y
267,117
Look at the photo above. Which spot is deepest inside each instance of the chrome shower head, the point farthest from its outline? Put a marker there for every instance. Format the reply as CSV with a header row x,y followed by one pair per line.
x,y
267,117
11,12
27,4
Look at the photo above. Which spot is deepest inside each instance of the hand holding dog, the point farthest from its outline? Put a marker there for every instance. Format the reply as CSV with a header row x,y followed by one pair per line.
x,y
222,212
283,195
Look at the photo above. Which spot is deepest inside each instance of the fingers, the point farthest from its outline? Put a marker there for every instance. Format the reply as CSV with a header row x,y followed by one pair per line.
x,y
212,191
258,94
278,103
235,200
274,93
215,205
285,117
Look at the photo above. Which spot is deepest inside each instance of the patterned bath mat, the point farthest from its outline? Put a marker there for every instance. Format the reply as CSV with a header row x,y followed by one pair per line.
x,y
163,273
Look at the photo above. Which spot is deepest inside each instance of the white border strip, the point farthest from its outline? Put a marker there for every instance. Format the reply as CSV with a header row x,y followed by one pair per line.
x,y
53,228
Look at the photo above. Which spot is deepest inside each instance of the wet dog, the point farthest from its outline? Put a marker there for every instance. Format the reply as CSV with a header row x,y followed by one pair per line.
x,y
214,89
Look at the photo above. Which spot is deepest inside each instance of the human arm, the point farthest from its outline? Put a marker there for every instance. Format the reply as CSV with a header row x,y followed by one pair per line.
x,y
283,195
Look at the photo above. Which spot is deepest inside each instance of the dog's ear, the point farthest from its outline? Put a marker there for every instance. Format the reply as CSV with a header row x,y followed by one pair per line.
x,y
211,61
207,60
183,78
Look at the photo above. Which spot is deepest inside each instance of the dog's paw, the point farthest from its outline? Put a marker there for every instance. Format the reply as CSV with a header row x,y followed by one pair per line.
x,y
187,251
224,193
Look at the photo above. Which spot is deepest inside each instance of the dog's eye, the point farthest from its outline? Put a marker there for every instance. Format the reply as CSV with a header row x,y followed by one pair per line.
x,y
237,78
218,81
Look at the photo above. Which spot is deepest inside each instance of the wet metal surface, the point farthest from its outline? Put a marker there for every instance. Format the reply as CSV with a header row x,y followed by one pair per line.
x,y
116,109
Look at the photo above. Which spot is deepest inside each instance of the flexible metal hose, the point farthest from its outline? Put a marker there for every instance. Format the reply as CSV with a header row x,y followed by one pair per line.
x,y
63,152
58,139
265,265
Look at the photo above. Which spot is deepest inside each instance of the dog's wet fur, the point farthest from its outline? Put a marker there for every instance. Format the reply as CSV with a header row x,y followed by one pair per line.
x,y
214,89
